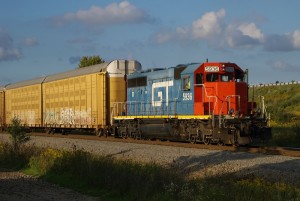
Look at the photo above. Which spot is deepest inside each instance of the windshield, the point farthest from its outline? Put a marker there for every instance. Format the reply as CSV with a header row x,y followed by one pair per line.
x,y
227,78
212,77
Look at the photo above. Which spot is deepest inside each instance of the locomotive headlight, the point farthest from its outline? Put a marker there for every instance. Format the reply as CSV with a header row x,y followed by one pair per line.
x,y
223,67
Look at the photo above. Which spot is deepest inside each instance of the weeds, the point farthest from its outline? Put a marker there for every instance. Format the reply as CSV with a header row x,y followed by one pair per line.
x,y
112,179
15,154
286,135
17,134
283,103
123,177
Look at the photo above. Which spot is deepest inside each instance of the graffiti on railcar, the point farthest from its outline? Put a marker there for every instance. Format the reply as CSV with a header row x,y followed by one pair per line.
x,y
26,117
51,117
68,116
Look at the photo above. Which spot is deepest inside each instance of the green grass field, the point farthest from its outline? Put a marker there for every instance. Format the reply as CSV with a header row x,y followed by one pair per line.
x,y
283,103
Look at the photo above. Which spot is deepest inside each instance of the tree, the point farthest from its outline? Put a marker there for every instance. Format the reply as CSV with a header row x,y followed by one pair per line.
x,y
18,135
89,61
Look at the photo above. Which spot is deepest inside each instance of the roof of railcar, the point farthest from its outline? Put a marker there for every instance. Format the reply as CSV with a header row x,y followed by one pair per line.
x,y
77,72
26,83
64,75
59,76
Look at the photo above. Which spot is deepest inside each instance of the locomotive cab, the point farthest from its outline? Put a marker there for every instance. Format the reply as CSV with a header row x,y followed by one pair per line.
x,y
220,89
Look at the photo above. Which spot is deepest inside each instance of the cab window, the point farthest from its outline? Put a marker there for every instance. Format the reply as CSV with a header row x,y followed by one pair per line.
x,y
212,77
186,83
227,78
239,76
199,78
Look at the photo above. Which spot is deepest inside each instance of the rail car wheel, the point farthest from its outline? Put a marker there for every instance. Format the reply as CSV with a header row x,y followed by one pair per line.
x,y
193,139
49,131
221,143
138,136
207,140
124,135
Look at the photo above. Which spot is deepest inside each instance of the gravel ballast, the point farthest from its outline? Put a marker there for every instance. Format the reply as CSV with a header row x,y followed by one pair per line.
x,y
195,162
200,162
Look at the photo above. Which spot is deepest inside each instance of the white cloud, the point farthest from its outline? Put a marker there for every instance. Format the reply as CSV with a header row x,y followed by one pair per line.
x,y
251,30
296,39
114,13
243,35
7,50
212,28
208,26
285,42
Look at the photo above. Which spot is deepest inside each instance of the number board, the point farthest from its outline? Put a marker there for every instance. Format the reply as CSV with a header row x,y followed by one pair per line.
x,y
187,96
211,68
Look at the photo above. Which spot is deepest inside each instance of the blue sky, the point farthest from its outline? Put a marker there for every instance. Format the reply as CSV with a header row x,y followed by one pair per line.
x,y
46,37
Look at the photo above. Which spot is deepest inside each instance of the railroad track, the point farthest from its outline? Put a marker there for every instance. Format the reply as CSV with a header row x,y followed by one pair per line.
x,y
285,151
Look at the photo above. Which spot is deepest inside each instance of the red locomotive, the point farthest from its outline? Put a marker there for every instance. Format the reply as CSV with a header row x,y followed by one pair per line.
x,y
205,102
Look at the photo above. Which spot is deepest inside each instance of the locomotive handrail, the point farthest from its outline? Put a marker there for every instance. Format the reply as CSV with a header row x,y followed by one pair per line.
x,y
216,98
229,96
262,104
124,107
116,107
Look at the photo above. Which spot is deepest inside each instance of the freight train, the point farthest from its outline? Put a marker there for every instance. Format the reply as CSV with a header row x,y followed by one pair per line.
x,y
198,102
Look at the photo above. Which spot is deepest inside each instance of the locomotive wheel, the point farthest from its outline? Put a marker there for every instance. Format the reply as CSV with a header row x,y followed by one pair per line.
x,y
124,135
193,139
137,136
207,141
221,143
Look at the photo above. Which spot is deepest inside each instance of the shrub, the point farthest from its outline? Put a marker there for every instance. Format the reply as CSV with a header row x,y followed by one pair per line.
x,y
18,135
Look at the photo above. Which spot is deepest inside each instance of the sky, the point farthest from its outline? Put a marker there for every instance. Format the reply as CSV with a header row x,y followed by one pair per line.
x,y
39,38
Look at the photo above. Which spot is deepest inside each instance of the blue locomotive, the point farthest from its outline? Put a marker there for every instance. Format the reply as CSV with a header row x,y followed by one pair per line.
x,y
195,102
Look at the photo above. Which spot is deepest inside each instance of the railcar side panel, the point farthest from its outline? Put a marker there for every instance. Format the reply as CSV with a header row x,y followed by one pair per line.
x,y
72,102
24,103
117,96
101,104
2,109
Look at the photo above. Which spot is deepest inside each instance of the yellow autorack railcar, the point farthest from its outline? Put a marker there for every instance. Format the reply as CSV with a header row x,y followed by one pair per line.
x,y
83,98
80,98
24,101
2,111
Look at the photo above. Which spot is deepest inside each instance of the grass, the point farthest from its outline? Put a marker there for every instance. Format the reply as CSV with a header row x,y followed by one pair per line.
x,y
285,135
283,103
115,180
